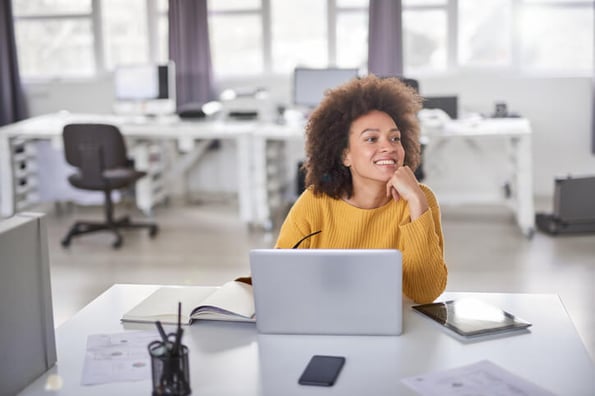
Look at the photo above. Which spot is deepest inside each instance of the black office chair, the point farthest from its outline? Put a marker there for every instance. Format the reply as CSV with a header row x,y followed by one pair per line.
x,y
99,153
420,174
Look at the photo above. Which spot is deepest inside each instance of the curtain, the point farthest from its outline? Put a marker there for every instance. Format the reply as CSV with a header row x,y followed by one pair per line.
x,y
190,50
385,44
12,99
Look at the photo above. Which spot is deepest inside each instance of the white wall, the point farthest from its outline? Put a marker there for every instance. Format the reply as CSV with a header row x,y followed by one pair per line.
x,y
559,110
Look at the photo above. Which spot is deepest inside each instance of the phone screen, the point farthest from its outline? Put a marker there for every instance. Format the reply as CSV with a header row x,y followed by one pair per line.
x,y
322,370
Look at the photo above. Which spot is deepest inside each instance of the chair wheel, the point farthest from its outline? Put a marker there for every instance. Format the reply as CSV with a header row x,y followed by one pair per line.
x,y
117,243
154,230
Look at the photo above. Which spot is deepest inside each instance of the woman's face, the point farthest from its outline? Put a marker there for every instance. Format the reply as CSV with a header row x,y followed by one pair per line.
x,y
374,150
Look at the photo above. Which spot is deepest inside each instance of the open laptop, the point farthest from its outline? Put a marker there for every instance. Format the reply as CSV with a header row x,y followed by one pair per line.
x,y
327,291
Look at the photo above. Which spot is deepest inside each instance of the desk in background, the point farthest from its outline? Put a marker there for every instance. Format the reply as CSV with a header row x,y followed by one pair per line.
x,y
514,136
266,156
228,358
18,166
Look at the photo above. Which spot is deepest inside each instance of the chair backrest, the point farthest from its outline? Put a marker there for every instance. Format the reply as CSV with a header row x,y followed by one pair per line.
x,y
410,82
94,147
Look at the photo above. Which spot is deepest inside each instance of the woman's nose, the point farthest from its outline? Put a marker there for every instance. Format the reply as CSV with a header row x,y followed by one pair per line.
x,y
386,145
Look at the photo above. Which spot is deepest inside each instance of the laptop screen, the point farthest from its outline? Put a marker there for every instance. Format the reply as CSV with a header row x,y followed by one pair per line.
x,y
327,291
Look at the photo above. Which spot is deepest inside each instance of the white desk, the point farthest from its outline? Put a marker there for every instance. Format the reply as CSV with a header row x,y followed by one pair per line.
x,y
191,137
516,160
253,169
233,359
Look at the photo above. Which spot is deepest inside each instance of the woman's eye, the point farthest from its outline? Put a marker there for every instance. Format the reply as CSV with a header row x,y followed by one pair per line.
x,y
396,139
371,139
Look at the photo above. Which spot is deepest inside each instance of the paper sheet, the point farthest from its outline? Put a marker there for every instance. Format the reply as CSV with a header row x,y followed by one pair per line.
x,y
118,357
482,378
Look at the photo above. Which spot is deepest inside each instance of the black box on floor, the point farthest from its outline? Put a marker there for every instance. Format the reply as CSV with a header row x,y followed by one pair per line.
x,y
574,207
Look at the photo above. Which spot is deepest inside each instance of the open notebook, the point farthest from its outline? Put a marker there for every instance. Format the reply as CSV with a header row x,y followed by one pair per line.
x,y
231,302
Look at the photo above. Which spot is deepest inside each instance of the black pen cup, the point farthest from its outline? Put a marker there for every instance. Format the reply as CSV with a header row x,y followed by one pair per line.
x,y
170,370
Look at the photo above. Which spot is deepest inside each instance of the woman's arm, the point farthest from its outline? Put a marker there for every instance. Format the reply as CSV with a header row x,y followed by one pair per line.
x,y
424,269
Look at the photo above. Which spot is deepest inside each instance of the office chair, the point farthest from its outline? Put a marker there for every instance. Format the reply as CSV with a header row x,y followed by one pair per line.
x,y
419,172
99,153
410,82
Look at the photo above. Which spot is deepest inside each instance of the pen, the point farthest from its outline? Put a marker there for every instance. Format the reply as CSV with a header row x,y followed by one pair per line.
x,y
161,331
177,342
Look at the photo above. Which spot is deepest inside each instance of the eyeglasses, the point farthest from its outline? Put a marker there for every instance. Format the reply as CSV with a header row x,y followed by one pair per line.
x,y
306,237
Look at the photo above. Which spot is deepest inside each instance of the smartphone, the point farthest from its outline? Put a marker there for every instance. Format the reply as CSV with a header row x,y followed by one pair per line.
x,y
322,370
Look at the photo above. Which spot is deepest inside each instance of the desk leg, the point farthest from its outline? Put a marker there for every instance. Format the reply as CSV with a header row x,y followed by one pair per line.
x,y
143,187
6,178
524,184
245,180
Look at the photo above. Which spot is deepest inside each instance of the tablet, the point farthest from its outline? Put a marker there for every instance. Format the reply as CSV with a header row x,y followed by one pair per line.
x,y
472,318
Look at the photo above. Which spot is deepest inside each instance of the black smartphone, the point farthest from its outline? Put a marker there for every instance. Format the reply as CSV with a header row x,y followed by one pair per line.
x,y
322,370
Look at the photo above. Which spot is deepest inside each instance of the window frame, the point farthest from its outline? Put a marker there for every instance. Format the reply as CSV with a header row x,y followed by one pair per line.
x,y
95,18
334,10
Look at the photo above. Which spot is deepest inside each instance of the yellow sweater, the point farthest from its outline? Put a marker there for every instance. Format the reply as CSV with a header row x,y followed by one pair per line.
x,y
344,226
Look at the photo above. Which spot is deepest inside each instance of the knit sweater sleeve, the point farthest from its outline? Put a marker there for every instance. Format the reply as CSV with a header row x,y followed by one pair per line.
x,y
424,268
297,224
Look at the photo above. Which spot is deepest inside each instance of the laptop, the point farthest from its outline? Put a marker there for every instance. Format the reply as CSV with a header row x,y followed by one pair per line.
x,y
327,291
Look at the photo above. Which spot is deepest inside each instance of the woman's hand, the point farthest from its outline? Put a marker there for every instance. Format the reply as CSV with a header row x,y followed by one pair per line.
x,y
403,184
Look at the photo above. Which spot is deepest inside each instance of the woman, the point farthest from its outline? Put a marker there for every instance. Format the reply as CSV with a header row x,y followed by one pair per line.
x,y
362,145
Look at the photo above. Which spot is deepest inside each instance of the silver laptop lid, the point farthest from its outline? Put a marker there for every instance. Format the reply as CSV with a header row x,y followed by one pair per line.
x,y
327,291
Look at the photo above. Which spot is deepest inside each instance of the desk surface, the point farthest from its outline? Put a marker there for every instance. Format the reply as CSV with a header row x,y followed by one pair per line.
x,y
48,125
51,125
233,359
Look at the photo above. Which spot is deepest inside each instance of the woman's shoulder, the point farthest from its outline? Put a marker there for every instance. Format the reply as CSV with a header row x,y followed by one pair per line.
x,y
430,196
311,201
310,196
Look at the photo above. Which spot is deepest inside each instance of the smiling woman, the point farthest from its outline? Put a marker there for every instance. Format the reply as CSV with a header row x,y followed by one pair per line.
x,y
362,145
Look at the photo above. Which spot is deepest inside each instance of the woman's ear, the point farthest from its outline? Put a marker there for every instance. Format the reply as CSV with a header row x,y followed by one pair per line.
x,y
346,158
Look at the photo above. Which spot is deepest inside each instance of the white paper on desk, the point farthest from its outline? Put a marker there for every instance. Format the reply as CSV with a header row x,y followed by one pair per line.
x,y
118,357
483,378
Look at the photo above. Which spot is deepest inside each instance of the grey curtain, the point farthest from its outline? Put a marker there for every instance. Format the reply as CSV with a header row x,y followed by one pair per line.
x,y
189,48
385,44
12,99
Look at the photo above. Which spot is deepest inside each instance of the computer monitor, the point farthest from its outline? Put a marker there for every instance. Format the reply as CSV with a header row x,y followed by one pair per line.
x,y
410,82
449,104
311,84
145,89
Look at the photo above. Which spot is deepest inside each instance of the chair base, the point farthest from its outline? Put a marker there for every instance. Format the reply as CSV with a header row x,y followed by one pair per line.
x,y
86,227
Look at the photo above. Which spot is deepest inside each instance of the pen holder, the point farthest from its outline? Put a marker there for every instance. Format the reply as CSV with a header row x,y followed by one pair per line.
x,y
170,369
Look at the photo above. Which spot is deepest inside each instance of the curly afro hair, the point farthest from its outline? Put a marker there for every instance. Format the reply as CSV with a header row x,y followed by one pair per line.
x,y
327,130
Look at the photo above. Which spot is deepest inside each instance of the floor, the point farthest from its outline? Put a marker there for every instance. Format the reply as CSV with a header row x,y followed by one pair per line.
x,y
206,244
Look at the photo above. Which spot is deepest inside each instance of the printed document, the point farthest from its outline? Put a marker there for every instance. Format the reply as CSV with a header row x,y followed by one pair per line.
x,y
482,378
118,357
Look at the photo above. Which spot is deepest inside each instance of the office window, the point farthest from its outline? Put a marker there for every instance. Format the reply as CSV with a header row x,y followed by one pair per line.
x,y
54,38
125,32
352,33
83,38
236,34
161,43
425,40
484,33
556,36
298,33
236,45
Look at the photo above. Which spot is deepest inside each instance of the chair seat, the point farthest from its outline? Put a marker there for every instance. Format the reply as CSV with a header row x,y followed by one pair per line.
x,y
112,179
